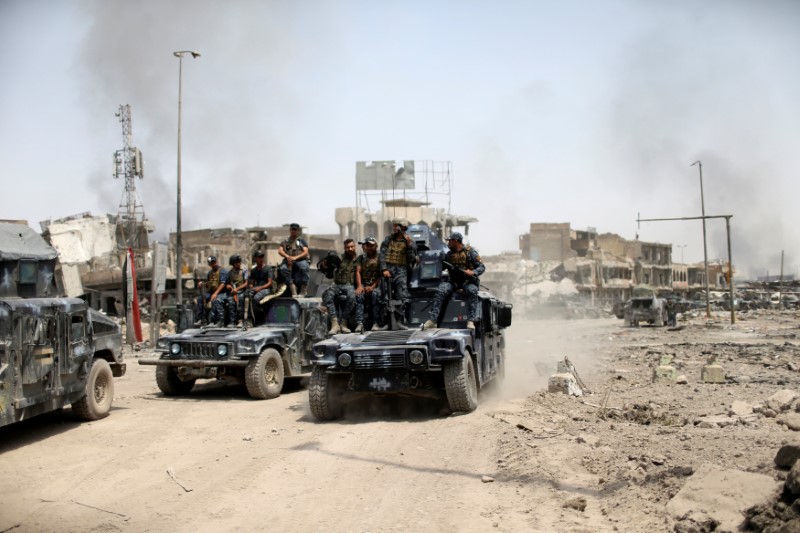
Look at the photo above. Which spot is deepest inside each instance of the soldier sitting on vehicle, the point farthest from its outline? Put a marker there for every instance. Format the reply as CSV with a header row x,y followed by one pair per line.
x,y
464,266
204,311
293,270
259,281
237,286
368,294
343,286
398,253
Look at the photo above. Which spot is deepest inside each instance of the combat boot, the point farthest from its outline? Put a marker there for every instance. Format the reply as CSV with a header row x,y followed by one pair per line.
x,y
343,327
470,324
429,324
334,326
302,290
293,288
359,328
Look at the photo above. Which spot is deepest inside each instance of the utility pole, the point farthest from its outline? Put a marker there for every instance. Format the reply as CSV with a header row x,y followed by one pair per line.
x,y
705,246
128,164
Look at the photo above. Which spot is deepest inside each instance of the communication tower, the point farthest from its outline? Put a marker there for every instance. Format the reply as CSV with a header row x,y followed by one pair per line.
x,y
129,165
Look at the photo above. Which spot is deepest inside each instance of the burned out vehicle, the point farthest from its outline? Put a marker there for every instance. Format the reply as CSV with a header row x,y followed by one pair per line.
x,y
448,362
261,357
54,351
645,306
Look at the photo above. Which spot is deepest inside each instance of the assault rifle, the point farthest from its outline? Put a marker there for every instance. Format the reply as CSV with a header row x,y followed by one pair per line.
x,y
390,307
458,276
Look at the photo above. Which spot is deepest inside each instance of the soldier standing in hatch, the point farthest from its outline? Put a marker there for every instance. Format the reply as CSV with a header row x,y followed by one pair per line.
x,y
259,280
208,290
293,270
398,254
343,285
237,285
468,266
367,278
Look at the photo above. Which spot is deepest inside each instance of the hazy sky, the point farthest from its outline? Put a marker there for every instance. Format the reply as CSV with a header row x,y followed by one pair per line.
x,y
572,111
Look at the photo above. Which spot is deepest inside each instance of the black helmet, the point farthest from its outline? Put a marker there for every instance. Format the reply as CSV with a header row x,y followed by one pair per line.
x,y
211,259
235,258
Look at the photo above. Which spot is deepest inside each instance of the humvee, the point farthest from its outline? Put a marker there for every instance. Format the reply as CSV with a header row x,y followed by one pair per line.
x,y
645,306
53,351
262,357
449,361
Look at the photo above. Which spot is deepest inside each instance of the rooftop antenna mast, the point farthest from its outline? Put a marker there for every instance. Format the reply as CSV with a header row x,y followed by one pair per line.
x,y
128,164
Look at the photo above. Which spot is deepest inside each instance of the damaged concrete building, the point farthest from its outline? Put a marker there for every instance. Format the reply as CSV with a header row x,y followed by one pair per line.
x,y
605,267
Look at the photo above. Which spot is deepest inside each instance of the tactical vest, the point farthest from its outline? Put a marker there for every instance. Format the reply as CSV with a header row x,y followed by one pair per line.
x,y
292,248
346,273
213,279
259,276
396,254
459,259
369,269
236,277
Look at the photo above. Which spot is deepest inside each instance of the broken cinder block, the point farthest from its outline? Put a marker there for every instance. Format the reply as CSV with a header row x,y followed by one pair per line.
x,y
564,383
712,373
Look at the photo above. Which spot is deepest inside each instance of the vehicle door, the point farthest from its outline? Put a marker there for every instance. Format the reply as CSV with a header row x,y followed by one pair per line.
x,y
79,346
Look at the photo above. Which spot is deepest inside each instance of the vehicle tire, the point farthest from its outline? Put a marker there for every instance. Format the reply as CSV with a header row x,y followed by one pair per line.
x,y
325,394
461,385
264,375
96,403
170,384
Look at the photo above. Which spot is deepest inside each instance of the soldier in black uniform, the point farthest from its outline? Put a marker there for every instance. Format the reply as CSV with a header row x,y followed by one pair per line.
x,y
293,270
468,266
368,295
237,286
343,285
398,254
207,289
259,280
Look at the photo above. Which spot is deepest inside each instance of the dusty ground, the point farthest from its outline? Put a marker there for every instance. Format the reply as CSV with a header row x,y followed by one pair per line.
x,y
609,461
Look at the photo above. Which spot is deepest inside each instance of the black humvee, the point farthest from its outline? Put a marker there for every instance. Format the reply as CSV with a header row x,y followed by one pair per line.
x,y
261,357
450,360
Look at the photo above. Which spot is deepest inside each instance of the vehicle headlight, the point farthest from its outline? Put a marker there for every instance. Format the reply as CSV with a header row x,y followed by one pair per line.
x,y
416,357
222,350
345,359
162,344
174,348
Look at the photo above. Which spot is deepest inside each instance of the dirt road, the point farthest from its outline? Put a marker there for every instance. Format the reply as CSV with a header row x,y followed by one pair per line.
x,y
217,460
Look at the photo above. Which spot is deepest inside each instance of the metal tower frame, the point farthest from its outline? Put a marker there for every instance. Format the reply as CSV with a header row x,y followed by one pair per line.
x,y
128,163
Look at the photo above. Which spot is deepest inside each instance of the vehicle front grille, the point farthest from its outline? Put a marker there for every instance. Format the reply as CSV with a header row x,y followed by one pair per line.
x,y
363,360
199,350
396,336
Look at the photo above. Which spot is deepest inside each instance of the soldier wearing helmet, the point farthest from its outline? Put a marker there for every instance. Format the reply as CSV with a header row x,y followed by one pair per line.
x,y
259,280
293,270
397,254
368,293
343,287
465,267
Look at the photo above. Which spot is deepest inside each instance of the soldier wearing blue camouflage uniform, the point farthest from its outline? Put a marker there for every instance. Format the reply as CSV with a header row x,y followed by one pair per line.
x,y
398,254
468,266
259,280
368,294
219,300
207,290
293,270
343,285
237,285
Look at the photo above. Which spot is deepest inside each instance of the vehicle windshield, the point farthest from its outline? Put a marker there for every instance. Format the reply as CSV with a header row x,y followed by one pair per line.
x,y
454,316
282,311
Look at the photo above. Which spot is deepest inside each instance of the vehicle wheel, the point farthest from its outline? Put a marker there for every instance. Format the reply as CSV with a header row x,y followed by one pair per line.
x,y
264,375
325,394
96,403
170,384
461,385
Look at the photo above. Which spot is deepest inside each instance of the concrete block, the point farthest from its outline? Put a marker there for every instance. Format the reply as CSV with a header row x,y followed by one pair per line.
x,y
712,374
564,383
664,373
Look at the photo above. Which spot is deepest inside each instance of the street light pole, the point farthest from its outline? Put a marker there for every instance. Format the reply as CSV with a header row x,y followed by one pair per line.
x,y
178,235
681,246
705,246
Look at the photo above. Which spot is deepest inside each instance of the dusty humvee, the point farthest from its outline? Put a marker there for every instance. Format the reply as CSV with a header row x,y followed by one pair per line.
x,y
53,351
262,357
645,306
450,362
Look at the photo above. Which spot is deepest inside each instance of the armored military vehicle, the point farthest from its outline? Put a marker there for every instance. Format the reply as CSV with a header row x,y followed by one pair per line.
x,y
450,361
645,306
261,357
53,351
